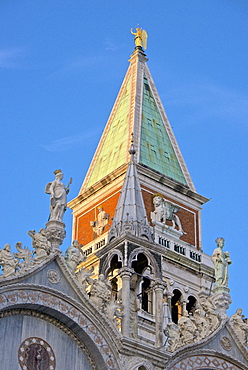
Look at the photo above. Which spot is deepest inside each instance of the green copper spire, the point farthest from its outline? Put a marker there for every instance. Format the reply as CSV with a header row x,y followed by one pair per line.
x,y
156,150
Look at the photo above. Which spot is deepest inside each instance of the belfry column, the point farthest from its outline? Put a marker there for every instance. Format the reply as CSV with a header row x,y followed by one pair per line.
x,y
125,274
159,287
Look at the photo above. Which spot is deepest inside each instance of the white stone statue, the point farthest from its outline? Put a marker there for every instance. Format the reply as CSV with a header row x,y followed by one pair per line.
x,y
7,261
99,224
58,196
100,292
113,311
41,245
240,327
187,329
173,334
210,310
84,277
23,254
165,210
201,324
74,256
221,261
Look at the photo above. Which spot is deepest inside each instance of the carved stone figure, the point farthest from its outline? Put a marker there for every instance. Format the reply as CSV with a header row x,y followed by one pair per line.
x,y
159,211
113,311
23,254
100,292
7,261
165,210
240,327
221,261
84,277
99,224
74,256
211,315
201,324
173,334
187,329
140,38
41,245
58,196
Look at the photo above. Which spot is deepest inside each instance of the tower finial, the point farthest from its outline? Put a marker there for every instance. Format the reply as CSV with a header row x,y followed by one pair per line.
x,y
132,151
140,38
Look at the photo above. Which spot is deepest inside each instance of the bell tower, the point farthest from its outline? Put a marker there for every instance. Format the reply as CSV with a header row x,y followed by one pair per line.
x,y
138,215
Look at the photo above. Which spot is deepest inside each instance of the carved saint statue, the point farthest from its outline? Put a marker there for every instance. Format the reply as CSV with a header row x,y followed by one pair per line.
x,y
173,334
74,256
100,292
201,324
101,222
84,277
221,261
58,196
7,261
41,244
240,326
210,310
140,38
187,329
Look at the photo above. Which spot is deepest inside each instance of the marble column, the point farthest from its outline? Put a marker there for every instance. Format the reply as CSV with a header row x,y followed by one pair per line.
x,y
159,287
125,274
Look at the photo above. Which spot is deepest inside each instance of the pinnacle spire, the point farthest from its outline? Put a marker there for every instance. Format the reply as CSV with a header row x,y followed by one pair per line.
x,y
130,215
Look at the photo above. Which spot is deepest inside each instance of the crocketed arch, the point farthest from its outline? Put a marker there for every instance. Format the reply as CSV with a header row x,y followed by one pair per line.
x,y
108,263
150,259
68,313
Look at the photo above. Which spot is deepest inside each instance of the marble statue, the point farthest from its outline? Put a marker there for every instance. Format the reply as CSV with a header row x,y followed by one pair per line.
x,y
165,210
23,254
58,196
210,310
84,277
99,224
113,311
41,245
173,334
221,261
140,38
7,261
74,256
240,326
100,292
201,324
187,329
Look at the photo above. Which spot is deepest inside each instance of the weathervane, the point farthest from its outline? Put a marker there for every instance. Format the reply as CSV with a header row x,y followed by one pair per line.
x,y
140,38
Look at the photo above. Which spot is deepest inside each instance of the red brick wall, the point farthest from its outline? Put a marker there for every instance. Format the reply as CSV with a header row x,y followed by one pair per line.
x,y
83,231
187,218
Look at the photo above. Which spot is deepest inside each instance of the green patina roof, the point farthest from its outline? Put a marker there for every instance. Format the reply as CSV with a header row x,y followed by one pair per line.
x,y
114,148
156,150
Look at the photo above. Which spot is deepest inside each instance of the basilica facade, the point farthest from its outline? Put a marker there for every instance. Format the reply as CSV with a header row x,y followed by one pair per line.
x,y
135,290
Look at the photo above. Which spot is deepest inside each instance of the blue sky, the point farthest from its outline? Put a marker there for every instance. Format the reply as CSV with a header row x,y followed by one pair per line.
x,y
61,66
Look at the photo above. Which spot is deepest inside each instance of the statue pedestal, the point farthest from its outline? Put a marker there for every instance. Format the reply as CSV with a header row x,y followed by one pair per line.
x,y
55,233
222,300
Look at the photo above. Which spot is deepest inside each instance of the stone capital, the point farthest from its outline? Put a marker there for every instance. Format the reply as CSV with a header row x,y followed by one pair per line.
x,y
126,272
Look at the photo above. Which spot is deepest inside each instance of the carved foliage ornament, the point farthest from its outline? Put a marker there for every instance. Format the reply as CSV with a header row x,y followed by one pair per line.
x,y
35,353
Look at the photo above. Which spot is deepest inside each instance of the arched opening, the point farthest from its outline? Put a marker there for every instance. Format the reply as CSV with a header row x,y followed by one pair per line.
x,y
142,368
176,306
115,265
144,291
191,305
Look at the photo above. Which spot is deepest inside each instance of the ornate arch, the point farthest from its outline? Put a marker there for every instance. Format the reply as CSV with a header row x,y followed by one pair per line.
x,y
151,260
107,262
68,313
207,361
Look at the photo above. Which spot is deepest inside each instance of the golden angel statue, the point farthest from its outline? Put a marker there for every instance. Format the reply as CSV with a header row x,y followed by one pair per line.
x,y
140,38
